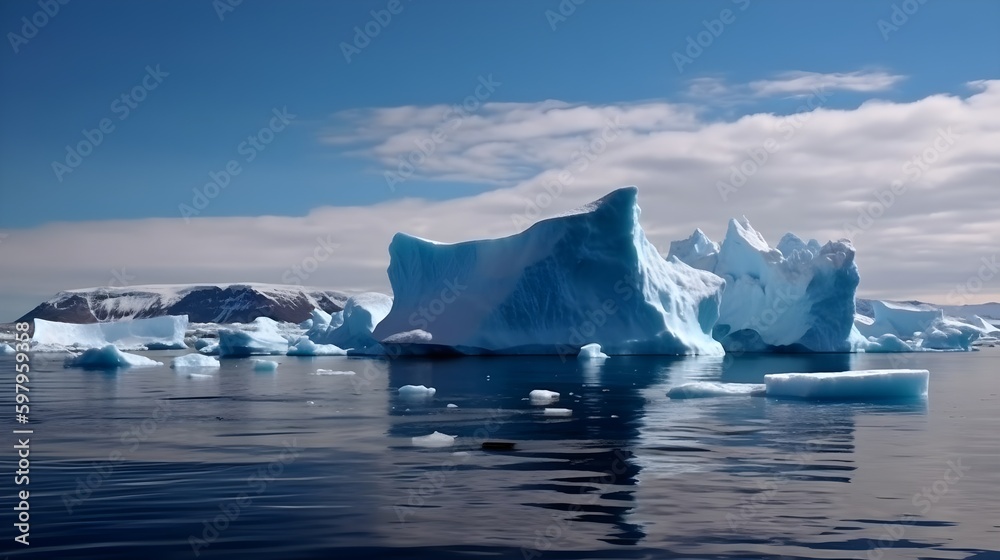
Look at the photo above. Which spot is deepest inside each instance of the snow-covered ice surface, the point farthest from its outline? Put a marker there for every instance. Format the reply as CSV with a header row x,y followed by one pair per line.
x,y
416,392
850,385
193,361
265,365
262,337
706,389
352,328
436,439
156,333
109,357
798,296
588,276
591,352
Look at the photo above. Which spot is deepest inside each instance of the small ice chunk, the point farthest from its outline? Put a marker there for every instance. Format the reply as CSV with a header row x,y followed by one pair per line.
x,y
331,372
265,365
558,412
850,385
590,352
705,389
188,361
109,357
542,396
5,349
437,439
461,454
452,405
199,376
305,347
210,350
416,391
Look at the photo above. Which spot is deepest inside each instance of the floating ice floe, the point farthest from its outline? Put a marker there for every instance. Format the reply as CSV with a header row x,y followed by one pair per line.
x,y
706,389
451,405
437,439
591,352
416,392
260,338
849,385
331,372
543,396
305,347
211,349
109,357
557,412
192,361
156,333
586,276
798,296
265,365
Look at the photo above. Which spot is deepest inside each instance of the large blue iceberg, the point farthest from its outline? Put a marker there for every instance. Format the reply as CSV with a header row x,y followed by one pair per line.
x,y
798,297
589,276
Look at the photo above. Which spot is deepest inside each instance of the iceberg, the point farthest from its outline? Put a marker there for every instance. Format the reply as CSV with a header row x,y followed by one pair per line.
x,y
542,396
796,297
5,349
305,347
416,392
918,326
265,365
437,439
109,357
557,412
587,276
156,333
591,352
194,361
260,338
352,328
849,385
706,389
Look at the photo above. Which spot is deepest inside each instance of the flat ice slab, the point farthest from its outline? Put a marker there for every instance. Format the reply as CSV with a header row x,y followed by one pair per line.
x,y
156,333
416,392
707,389
591,352
557,412
850,385
190,361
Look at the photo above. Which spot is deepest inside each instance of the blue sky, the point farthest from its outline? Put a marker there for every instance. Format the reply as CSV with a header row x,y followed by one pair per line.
x,y
225,77
855,106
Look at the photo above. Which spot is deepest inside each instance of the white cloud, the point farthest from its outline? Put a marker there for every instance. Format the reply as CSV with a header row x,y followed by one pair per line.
x,y
799,82
824,174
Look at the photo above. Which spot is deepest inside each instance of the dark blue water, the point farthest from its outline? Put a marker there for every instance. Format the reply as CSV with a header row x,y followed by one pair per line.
x,y
154,464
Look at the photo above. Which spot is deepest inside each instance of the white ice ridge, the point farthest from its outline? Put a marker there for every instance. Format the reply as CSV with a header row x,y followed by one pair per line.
x,y
849,385
193,361
109,357
588,276
156,333
798,296
706,389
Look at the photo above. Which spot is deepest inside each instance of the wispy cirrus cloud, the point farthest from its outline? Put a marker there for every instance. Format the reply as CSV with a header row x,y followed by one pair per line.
x,y
790,84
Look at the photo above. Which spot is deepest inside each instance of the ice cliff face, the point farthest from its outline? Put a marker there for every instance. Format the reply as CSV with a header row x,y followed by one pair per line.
x,y
586,277
797,297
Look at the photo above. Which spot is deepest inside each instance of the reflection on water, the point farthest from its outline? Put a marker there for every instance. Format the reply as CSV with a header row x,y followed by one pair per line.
x,y
298,463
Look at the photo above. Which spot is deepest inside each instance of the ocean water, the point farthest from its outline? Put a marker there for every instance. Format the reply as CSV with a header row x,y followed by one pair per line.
x,y
234,463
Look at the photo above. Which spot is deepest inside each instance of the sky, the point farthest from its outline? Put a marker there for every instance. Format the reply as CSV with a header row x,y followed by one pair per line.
x,y
223,141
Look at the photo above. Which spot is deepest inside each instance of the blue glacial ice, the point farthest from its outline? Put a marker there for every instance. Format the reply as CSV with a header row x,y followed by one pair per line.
x,y
109,357
155,333
351,329
796,297
849,385
589,276
907,327
259,338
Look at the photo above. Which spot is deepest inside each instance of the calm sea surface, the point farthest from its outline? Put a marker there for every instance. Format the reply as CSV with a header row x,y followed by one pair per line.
x,y
153,464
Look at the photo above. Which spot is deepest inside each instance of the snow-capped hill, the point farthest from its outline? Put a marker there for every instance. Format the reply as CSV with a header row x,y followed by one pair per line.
x,y
202,303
